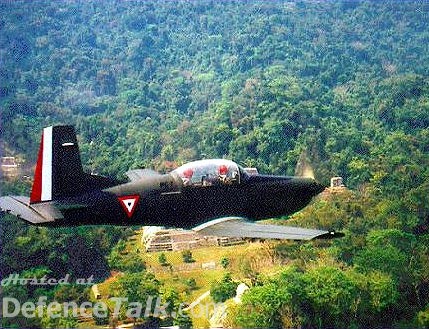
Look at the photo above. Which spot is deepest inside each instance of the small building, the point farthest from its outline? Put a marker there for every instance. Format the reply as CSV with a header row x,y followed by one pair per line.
x,y
208,266
9,167
337,187
161,239
337,182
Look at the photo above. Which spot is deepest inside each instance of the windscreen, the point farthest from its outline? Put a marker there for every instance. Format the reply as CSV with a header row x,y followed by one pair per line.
x,y
209,173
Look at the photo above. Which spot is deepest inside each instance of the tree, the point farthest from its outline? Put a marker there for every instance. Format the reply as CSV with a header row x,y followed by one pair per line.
x,y
183,321
224,262
262,306
187,256
176,316
191,284
387,259
138,287
162,259
423,318
58,320
383,291
223,290
126,261
331,296
171,296
388,251
101,320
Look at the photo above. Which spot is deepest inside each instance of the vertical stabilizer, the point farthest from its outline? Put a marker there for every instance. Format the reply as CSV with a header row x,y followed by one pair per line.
x,y
59,170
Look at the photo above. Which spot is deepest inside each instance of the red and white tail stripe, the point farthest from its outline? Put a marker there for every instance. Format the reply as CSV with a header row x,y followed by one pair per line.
x,y
42,185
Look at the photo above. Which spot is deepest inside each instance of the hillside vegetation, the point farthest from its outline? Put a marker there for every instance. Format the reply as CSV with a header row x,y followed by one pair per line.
x,y
342,85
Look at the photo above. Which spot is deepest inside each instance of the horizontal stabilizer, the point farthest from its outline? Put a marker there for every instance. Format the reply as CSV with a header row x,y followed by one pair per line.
x,y
138,174
20,207
239,227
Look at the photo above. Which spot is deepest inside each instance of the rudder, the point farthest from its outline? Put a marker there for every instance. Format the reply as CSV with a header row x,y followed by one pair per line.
x,y
59,171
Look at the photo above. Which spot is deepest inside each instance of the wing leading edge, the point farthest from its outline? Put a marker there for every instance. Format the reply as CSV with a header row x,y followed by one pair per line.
x,y
239,227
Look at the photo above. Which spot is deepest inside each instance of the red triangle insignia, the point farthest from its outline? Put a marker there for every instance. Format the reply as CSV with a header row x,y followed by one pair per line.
x,y
129,203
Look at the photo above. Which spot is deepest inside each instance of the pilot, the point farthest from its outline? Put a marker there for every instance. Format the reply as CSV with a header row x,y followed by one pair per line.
x,y
207,180
187,177
234,177
223,173
211,177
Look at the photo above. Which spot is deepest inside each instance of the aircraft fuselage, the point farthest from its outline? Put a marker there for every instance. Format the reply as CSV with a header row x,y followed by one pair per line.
x,y
164,200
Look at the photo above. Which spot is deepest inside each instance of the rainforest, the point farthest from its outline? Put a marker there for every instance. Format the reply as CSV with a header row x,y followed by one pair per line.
x,y
341,87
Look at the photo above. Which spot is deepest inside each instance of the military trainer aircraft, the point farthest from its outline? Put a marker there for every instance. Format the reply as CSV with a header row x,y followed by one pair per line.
x,y
213,197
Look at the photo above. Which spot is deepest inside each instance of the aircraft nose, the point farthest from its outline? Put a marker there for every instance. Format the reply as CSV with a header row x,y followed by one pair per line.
x,y
310,185
317,187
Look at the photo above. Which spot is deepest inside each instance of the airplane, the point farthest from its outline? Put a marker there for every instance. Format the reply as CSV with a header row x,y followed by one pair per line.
x,y
212,197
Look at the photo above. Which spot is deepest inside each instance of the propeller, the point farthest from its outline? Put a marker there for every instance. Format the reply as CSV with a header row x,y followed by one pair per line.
x,y
303,166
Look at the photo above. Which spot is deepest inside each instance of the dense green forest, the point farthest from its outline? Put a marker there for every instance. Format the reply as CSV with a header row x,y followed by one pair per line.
x,y
343,85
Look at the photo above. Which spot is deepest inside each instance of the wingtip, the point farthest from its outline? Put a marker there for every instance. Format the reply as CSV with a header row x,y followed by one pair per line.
x,y
331,235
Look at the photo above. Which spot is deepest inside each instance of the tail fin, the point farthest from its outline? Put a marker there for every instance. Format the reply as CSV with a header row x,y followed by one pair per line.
x,y
59,171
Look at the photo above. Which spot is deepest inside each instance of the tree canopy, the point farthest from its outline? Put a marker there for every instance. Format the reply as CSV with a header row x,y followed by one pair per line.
x,y
343,85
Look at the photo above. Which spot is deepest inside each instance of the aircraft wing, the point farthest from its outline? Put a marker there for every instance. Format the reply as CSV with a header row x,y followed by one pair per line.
x,y
20,207
241,228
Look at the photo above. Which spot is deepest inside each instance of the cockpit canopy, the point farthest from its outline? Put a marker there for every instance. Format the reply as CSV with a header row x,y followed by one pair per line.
x,y
209,173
